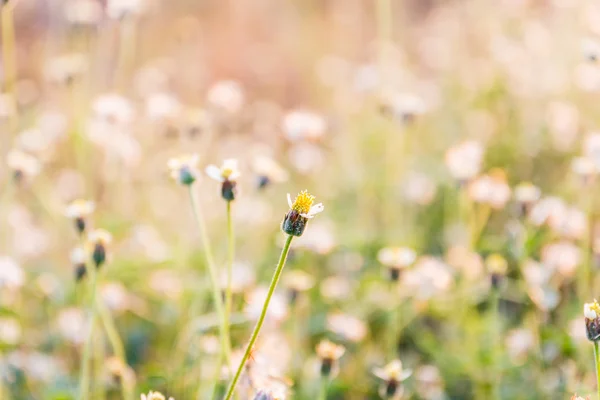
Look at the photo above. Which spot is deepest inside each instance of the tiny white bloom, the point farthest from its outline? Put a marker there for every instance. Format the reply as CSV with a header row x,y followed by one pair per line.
x,y
228,171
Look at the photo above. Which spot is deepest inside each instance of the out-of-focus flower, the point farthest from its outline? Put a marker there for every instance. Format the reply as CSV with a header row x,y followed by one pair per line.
x,y
392,376
162,107
83,12
429,382
65,68
98,241
562,255
526,194
497,267
548,210
519,343
268,171
563,124
419,189
336,288
72,325
11,273
227,175
585,168
571,223
427,278
147,240
78,211
278,309
37,366
115,296
113,108
591,313
118,371
490,189
196,121
296,282
166,283
303,125
78,260
590,49
227,96
468,262
396,259
346,326
184,169
329,353
154,396
119,9
10,331
301,210
22,164
464,160
306,157
404,107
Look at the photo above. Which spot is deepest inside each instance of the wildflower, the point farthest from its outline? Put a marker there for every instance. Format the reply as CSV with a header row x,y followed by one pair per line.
x,y
518,343
83,12
346,326
78,210
184,169
468,262
591,313
154,396
119,9
526,194
162,107
22,164
65,68
78,259
329,353
547,211
227,175
404,107
564,256
497,266
590,49
584,168
392,376
419,189
72,325
98,241
396,259
301,210
119,371
10,331
429,382
296,282
428,277
268,171
113,108
490,189
11,273
464,160
226,95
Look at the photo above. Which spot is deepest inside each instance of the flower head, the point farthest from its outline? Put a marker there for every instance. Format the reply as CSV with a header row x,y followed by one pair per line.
x,y
329,353
98,241
227,174
268,171
301,210
591,313
184,169
391,375
497,266
78,259
22,164
396,259
78,210
154,396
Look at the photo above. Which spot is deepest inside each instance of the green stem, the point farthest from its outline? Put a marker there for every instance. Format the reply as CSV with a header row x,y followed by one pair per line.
x,y
323,389
117,346
496,335
217,298
86,357
597,361
263,313
231,257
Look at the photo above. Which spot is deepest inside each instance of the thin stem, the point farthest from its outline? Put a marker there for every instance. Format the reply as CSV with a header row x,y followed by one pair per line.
x,y
323,389
117,346
231,257
217,298
263,313
496,334
85,360
597,361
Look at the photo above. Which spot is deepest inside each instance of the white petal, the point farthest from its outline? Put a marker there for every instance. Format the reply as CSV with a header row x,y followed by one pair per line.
x,y
234,175
405,374
317,208
289,200
173,163
214,172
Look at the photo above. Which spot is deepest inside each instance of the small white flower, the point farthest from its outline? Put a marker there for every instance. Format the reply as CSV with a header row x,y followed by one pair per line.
x,y
312,211
227,172
590,310
80,208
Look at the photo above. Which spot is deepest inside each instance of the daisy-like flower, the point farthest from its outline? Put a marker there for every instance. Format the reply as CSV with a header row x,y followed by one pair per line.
x,y
296,282
526,194
464,160
329,353
591,313
227,174
301,210
97,242
268,171
119,9
184,169
78,210
392,376
496,266
226,95
590,49
154,396
22,164
78,260
118,371
396,259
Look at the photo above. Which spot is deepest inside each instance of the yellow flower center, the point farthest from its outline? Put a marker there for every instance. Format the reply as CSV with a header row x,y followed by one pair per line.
x,y
303,202
595,307
226,172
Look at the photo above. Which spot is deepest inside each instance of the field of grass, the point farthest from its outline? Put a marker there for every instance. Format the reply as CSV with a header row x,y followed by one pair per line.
x,y
299,199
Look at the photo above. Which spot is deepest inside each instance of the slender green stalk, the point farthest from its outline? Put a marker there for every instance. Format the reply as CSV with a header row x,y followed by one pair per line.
x,y
230,259
323,389
597,361
98,390
261,318
84,379
496,335
225,344
117,346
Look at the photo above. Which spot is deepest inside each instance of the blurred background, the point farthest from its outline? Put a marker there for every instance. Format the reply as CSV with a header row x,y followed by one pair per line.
x,y
454,145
